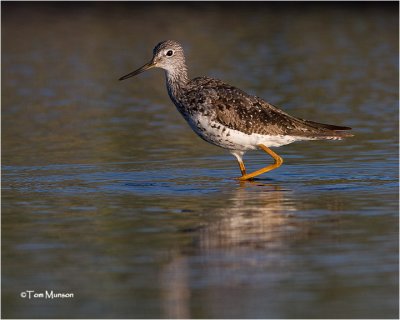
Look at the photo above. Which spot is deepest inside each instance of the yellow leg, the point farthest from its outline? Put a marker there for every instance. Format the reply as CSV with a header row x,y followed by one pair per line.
x,y
278,162
242,167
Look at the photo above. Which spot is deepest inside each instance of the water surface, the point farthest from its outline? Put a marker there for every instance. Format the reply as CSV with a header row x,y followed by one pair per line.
x,y
106,192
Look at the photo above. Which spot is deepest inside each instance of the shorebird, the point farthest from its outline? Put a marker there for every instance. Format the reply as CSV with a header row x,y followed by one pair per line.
x,y
229,117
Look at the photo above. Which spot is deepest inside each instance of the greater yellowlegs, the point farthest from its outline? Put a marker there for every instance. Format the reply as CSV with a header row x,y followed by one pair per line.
x,y
227,116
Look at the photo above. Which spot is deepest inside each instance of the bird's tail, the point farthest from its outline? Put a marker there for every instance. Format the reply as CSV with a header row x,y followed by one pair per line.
x,y
331,131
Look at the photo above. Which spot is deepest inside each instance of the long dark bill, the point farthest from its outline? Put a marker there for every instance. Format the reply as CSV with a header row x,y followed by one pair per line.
x,y
147,66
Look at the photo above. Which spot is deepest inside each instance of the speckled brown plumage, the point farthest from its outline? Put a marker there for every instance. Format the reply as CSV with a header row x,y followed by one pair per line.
x,y
235,109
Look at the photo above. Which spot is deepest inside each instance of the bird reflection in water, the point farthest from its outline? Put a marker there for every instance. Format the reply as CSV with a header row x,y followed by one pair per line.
x,y
255,222
256,216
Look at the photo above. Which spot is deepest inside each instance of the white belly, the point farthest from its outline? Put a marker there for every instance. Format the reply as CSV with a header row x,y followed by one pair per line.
x,y
224,137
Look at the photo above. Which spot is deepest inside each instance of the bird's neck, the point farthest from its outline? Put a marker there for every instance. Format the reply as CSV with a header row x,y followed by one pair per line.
x,y
177,80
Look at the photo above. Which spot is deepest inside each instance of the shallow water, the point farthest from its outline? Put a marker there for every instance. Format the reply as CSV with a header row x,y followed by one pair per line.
x,y
106,192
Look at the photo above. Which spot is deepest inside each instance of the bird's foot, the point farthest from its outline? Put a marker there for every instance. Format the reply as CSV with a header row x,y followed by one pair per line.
x,y
246,177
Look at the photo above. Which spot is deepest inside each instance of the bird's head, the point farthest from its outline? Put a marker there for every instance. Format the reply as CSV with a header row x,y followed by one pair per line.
x,y
167,55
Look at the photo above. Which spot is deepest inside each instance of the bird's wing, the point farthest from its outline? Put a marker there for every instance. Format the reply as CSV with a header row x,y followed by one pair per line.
x,y
237,110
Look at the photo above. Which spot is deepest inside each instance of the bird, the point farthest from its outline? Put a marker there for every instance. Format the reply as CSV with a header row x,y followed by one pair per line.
x,y
228,117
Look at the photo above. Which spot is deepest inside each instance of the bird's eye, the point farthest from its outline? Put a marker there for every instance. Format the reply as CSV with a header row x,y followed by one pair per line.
x,y
170,53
